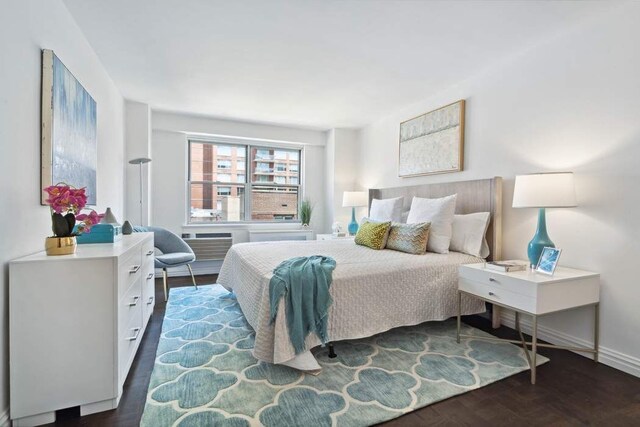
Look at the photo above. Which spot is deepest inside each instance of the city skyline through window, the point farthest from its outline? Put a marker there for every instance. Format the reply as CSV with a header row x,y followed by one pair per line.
x,y
231,183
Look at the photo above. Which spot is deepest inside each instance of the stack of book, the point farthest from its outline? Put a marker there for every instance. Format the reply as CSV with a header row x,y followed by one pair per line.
x,y
507,266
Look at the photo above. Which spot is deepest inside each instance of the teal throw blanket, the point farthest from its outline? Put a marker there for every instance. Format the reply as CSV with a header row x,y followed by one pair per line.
x,y
304,282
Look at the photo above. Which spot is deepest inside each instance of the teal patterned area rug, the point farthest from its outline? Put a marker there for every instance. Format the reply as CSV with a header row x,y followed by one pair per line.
x,y
205,375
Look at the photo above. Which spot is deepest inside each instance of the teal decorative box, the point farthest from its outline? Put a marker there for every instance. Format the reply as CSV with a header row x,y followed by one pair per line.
x,y
101,233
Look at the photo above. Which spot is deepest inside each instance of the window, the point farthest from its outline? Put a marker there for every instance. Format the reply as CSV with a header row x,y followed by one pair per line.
x,y
224,164
256,183
263,167
224,150
262,154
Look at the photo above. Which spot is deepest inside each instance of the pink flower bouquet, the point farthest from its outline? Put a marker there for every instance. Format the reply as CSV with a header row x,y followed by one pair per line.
x,y
66,204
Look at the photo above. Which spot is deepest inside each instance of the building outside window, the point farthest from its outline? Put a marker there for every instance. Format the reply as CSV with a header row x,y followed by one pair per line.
x,y
247,190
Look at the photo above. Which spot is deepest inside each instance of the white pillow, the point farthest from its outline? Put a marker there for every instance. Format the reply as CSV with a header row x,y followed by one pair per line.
x,y
439,212
386,210
469,234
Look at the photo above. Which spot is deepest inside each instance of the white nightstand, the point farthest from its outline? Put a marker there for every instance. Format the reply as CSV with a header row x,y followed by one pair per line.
x,y
535,294
332,237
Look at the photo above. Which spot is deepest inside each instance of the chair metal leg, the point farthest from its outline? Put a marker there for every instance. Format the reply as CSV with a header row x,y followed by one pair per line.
x,y
164,281
193,279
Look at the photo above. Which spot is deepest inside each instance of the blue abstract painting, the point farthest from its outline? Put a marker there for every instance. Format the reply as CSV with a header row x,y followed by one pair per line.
x,y
73,131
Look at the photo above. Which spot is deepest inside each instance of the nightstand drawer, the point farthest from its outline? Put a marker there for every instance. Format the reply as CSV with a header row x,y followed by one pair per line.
x,y
498,294
499,281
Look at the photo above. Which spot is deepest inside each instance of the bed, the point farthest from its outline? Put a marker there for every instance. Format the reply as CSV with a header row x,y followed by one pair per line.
x,y
373,291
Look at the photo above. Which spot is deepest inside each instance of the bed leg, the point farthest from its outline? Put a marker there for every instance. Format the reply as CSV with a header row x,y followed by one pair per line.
x,y
332,353
496,320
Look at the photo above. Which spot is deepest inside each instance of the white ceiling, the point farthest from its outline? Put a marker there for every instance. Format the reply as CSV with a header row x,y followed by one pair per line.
x,y
317,64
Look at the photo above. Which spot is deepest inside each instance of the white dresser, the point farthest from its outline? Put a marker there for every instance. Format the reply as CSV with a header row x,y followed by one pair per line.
x,y
75,324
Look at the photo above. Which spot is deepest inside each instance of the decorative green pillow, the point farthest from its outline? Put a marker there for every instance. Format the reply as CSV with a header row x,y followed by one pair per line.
x,y
373,234
410,238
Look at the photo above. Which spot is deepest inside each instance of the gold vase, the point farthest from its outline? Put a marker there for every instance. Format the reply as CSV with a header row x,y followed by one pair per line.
x,y
60,245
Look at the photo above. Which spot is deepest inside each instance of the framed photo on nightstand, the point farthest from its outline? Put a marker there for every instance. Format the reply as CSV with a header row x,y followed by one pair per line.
x,y
548,260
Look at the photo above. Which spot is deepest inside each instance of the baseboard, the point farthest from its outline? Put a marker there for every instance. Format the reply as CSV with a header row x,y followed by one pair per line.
x,y
4,418
608,356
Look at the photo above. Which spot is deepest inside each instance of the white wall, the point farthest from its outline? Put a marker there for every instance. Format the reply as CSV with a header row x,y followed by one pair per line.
x,y
26,27
138,145
341,174
169,174
572,103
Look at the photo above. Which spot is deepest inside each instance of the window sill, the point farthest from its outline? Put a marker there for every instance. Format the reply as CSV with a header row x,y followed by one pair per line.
x,y
248,225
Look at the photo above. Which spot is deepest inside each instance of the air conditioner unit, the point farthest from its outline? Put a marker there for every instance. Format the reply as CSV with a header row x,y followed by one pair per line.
x,y
209,246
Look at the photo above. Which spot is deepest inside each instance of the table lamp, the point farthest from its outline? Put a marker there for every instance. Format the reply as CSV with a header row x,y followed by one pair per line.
x,y
354,199
543,190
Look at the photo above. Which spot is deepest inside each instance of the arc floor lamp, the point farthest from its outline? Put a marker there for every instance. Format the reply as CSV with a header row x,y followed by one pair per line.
x,y
140,161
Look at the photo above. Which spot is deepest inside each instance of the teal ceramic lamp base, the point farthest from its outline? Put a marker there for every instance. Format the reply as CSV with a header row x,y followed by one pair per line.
x,y
540,239
353,225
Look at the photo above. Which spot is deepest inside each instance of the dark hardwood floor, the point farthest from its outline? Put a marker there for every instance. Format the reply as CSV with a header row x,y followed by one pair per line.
x,y
571,390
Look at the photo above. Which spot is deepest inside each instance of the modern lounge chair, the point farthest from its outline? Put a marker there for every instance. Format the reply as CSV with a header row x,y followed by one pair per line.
x,y
175,253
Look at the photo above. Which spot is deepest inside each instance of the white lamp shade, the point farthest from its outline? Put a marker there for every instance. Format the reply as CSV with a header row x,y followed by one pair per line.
x,y
354,199
545,190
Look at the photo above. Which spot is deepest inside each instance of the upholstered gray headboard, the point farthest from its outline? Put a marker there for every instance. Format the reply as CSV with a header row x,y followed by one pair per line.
x,y
480,195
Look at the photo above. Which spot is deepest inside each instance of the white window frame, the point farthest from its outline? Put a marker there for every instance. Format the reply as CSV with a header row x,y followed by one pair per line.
x,y
247,184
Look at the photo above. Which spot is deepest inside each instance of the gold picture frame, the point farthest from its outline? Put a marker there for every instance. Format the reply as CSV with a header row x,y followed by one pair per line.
x,y
433,142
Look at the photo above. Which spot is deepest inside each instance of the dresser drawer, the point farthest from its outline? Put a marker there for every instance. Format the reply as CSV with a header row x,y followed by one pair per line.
x,y
130,305
129,270
128,340
147,251
498,294
148,296
499,281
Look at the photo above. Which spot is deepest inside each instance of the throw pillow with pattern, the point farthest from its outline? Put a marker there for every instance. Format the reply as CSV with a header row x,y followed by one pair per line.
x,y
373,234
409,238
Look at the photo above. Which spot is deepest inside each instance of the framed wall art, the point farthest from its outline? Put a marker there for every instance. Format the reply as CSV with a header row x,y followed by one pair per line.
x,y
69,129
433,142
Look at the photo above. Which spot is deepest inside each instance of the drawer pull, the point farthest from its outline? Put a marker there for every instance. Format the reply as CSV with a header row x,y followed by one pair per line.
x,y
492,294
134,302
150,276
150,253
136,332
134,269
150,301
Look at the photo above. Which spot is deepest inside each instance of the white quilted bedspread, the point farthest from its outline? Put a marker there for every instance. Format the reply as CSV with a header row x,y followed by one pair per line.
x,y
373,291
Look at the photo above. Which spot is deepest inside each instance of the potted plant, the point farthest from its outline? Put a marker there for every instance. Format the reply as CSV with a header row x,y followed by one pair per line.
x,y
66,203
306,209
